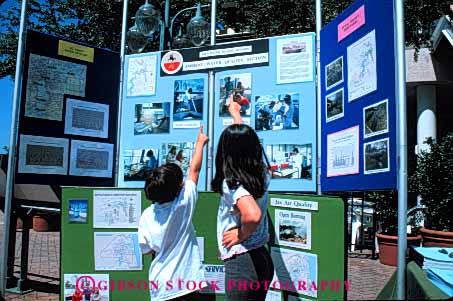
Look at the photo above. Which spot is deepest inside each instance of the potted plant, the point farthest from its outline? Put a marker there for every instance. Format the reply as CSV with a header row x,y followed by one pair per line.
x,y
433,181
386,213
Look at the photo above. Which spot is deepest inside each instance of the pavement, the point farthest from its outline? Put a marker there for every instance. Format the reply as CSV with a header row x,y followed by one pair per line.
x,y
367,275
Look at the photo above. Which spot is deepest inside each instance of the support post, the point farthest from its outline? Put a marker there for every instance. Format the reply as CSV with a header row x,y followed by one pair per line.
x,y
402,149
12,146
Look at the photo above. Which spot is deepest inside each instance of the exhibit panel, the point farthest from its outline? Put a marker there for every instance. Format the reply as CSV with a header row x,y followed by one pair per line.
x,y
160,119
99,228
358,99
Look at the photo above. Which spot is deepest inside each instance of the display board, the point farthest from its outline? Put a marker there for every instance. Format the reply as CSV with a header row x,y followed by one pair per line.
x,y
68,114
160,119
167,95
358,111
279,102
98,227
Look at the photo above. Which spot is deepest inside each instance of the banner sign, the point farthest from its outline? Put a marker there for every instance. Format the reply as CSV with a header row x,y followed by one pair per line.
x,y
254,53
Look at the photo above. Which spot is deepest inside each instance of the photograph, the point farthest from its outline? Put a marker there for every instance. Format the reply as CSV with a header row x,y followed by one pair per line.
x,y
334,73
86,118
188,102
375,119
293,228
152,118
335,105
91,159
139,163
237,88
78,211
179,154
290,161
277,112
376,156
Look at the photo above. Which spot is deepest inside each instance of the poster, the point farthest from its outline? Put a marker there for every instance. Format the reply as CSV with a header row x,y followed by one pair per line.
x,y
86,118
117,251
376,156
295,59
335,105
78,211
334,73
91,159
290,161
96,286
48,80
138,163
188,103
237,88
179,154
293,267
376,119
277,112
273,296
152,118
343,152
293,228
116,208
43,155
215,273
141,75
362,74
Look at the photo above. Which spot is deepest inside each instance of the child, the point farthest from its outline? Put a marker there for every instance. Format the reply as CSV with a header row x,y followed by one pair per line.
x,y
166,229
242,180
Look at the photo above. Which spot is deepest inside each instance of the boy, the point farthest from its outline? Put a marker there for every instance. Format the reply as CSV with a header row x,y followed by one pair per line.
x,y
166,229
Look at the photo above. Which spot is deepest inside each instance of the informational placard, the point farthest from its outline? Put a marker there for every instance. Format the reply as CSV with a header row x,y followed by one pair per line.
x,y
141,76
117,251
278,101
69,98
116,209
358,99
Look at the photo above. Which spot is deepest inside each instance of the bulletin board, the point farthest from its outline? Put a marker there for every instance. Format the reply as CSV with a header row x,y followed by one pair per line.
x,y
358,99
68,113
278,69
322,259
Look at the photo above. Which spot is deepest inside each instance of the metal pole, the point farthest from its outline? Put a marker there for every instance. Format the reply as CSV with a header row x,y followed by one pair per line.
x,y
318,93
12,147
211,78
402,149
120,96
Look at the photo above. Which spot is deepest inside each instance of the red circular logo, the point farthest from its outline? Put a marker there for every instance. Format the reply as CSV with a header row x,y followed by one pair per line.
x,y
172,62
85,282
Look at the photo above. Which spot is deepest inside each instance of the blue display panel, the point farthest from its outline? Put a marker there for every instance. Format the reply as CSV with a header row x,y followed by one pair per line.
x,y
358,109
280,104
160,119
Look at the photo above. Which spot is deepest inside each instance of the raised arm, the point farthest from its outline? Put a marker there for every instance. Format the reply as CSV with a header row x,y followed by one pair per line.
x,y
197,158
235,111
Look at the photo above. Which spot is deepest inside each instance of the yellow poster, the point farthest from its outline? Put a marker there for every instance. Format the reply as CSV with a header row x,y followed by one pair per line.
x,y
75,51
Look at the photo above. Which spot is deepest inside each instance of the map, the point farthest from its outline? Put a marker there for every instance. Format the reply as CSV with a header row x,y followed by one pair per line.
x,y
116,209
117,251
296,267
362,74
141,76
48,80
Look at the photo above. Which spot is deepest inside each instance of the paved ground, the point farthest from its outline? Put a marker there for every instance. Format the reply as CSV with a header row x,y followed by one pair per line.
x,y
368,276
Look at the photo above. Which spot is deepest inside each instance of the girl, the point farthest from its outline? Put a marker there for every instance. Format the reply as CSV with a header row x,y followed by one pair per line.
x,y
242,180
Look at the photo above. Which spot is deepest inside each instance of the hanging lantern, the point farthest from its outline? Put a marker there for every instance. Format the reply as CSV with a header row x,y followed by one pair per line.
x,y
136,41
147,19
198,28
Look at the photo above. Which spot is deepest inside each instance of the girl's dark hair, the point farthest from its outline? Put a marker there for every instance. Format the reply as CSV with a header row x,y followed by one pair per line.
x,y
239,160
164,183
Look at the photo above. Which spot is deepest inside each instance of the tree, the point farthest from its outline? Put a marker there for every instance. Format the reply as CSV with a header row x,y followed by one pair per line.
x,y
98,22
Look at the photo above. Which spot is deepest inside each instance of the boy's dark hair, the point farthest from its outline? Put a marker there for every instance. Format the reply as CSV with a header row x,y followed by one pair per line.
x,y
239,161
164,183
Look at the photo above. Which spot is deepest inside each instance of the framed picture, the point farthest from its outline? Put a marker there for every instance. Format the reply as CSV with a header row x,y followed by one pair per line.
x,y
376,156
334,73
376,119
335,105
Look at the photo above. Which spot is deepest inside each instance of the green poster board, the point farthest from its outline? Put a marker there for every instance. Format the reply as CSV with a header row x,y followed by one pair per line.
x,y
326,248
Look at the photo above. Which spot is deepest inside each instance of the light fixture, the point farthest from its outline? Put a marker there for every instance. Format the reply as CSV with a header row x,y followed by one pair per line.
x,y
181,40
147,19
136,41
198,28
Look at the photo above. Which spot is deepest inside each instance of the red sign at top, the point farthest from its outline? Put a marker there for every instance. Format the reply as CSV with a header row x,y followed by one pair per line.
x,y
351,23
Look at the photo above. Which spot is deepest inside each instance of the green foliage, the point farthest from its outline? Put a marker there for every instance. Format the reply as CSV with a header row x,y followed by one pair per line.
x,y
98,22
386,210
433,180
